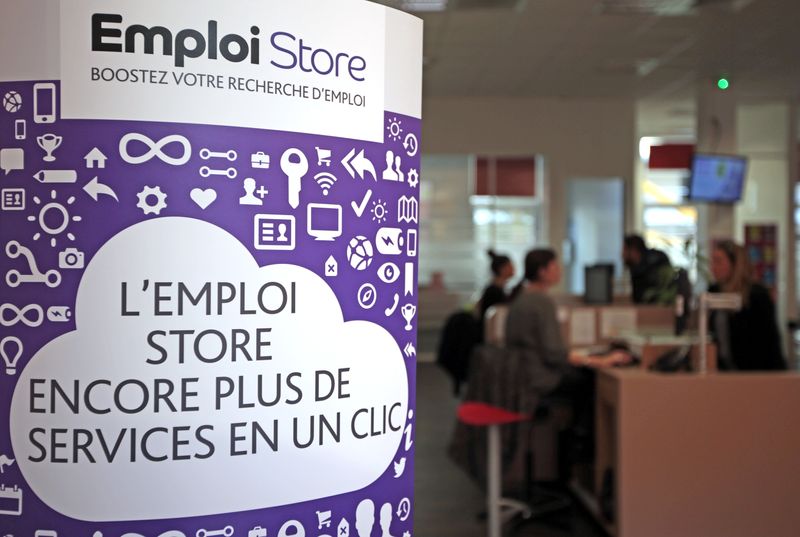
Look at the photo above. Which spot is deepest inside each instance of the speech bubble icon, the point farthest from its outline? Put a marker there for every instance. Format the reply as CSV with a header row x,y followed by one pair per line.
x,y
12,159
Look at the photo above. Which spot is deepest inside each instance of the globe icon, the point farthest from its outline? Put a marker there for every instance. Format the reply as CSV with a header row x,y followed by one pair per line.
x,y
360,253
12,102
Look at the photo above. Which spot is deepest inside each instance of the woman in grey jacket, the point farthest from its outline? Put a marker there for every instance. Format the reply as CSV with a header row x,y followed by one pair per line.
x,y
553,370
532,325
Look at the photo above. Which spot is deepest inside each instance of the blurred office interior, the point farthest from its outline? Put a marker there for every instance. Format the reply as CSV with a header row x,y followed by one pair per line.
x,y
568,124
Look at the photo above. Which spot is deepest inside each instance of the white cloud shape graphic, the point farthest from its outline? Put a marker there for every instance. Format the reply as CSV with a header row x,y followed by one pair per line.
x,y
106,345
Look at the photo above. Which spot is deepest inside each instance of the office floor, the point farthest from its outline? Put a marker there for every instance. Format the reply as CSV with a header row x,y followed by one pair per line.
x,y
447,501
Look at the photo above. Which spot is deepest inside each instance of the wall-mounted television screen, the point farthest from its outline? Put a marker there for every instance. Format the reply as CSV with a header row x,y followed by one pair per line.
x,y
717,178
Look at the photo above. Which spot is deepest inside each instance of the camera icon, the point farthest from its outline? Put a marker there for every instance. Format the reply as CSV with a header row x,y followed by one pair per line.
x,y
71,258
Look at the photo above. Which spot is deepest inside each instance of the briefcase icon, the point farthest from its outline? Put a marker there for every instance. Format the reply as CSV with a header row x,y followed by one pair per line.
x,y
259,160
258,531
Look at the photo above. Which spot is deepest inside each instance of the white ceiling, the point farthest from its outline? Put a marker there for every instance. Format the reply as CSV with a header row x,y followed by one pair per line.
x,y
576,48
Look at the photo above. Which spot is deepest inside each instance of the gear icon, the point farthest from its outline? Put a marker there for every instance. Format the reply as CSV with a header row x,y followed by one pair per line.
x,y
413,178
146,202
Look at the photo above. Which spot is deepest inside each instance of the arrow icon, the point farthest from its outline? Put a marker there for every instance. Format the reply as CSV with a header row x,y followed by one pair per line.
x,y
409,350
94,188
359,165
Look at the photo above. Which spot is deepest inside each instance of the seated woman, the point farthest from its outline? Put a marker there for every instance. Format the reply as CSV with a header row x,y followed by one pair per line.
x,y
532,328
532,325
495,293
747,339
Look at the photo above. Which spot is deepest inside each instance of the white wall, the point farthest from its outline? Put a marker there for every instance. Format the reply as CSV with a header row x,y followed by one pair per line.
x,y
579,138
593,233
447,238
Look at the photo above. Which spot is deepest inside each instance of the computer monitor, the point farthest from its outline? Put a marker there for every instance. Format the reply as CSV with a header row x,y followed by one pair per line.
x,y
717,178
324,221
599,284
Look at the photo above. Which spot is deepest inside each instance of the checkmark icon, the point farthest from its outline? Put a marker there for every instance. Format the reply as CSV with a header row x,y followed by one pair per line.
x,y
359,209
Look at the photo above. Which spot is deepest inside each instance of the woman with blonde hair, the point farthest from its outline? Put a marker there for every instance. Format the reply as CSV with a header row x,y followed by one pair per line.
x,y
747,339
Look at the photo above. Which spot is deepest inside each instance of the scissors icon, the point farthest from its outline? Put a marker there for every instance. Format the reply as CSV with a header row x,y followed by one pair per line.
x,y
51,278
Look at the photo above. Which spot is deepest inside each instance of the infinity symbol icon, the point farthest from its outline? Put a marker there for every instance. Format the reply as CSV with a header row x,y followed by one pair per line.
x,y
155,149
31,315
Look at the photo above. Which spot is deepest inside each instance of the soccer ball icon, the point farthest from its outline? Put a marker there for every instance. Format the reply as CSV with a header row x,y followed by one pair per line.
x,y
12,102
360,253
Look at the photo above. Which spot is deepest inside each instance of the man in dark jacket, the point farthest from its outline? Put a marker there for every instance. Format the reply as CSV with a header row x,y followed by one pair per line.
x,y
647,267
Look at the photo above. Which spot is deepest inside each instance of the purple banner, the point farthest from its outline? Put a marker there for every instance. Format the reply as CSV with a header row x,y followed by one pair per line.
x,y
206,331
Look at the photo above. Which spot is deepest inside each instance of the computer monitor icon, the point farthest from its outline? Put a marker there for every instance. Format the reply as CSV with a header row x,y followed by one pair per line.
x,y
324,221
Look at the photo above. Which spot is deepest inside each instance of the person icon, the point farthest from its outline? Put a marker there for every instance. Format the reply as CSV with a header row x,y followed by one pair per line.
x,y
400,176
282,228
389,174
249,197
365,518
386,520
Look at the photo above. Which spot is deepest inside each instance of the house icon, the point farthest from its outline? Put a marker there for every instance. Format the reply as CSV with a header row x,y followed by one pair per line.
x,y
95,159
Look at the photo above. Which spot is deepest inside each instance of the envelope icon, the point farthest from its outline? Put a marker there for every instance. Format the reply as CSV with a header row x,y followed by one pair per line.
x,y
259,160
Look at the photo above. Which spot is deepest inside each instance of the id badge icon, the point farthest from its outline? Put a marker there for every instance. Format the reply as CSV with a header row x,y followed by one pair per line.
x,y
274,232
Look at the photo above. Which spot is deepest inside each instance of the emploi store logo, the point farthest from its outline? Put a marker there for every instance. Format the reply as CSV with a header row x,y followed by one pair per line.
x,y
287,50
288,66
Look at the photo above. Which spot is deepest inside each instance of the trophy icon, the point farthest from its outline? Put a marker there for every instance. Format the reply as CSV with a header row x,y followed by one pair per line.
x,y
408,311
49,143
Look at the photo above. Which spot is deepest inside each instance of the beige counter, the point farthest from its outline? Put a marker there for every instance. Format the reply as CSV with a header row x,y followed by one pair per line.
x,y
715,455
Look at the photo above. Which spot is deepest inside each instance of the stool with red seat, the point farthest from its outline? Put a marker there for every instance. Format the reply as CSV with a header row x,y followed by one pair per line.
x,y
483,415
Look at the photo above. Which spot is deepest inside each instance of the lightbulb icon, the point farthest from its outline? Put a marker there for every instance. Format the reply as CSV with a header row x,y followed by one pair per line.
x,y
10,359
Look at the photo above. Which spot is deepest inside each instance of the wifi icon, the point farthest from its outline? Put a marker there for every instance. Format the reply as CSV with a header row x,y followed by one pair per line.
x,y
326,181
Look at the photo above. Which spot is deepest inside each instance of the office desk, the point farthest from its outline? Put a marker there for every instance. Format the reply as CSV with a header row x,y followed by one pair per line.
x,y
713,455
584,325
649,346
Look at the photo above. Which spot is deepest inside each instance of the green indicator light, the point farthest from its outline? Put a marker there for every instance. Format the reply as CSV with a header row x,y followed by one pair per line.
x,y
723,83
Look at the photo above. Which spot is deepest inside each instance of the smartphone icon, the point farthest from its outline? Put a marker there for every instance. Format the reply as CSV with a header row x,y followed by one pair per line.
x,y
20,130
411,243
44,103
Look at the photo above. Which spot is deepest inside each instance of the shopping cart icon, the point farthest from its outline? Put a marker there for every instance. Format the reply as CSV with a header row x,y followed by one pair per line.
x,y
324,518
323,157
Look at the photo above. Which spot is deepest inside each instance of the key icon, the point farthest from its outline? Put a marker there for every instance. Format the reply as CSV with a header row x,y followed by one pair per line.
x,y
295,165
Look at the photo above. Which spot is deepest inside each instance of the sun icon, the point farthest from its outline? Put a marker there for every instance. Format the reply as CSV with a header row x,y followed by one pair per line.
x,y
395,129
53,218
379,211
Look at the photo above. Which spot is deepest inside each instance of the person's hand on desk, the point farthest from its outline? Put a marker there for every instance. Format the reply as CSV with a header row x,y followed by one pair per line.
x,y
582,358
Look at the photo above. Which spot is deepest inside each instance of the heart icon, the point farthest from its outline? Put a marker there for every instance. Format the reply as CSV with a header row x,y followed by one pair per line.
x,y
203,198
